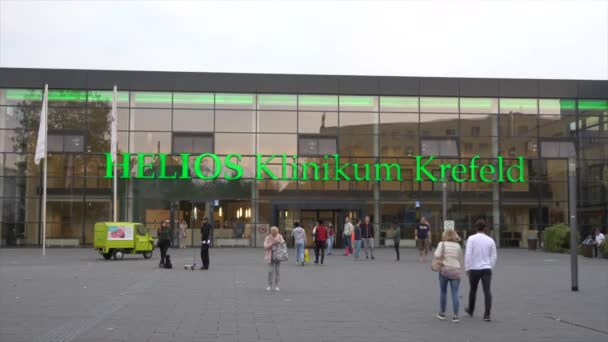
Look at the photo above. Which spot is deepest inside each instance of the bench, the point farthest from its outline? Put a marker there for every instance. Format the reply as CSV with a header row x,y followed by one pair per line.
x,y
66,242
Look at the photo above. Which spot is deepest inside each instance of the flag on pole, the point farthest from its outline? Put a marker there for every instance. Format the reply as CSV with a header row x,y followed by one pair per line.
x,y
42,129
114,127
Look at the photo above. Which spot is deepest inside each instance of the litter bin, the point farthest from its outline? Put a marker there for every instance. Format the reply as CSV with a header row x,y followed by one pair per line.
x,y
588,248
532,243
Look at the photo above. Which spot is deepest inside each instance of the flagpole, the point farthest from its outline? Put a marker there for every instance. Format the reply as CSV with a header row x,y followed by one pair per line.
x,y
115,154
44,167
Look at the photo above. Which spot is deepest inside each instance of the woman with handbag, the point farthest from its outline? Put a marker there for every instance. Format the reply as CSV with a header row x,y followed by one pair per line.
x,y
275,251
448,263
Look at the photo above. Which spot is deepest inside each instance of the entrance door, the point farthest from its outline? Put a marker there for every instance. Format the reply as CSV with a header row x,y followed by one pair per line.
x,y
335,217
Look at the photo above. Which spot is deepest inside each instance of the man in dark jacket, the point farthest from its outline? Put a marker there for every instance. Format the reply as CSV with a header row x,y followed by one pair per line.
x,y
367,230
205,242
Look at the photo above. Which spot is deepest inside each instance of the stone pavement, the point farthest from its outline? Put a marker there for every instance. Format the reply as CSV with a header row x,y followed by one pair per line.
x,y
75,295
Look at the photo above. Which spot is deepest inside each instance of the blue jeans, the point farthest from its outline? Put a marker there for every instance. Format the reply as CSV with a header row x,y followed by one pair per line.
x,y
443,287
330,244
299,253
357,248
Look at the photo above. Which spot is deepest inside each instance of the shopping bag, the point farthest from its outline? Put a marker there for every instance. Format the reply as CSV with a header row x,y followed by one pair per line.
x,y
346,251
306,256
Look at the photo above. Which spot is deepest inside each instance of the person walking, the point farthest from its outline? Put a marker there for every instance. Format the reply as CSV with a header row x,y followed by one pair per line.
x,y
182,233
348,230
422,235
320,241
396,238
164,241
479,260
330,238
357,238
272,241
599,241
367,230
299,236
451,254
205,243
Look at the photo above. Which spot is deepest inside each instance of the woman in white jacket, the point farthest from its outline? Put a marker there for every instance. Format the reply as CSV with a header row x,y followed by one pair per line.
x,y
450,252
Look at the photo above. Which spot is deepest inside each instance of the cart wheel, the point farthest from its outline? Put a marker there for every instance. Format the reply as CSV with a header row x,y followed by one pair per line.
x,y
119,255
147,255
107,256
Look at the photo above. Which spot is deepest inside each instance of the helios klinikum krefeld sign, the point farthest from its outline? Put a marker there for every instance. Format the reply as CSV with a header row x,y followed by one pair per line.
x,y
426,168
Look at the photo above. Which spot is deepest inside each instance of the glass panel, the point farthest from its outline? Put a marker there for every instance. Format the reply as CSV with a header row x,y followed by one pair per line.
x,y
318,122
193,100
398,145
23,97
150,142
557,149
592,106
439,104
518,125
438,125
193,120
358,103
356,145
278,102
228,143
557,106
482,146
439,147
478,105
279,122
73,143
557,126
398,104
277,144
234,121
514,147
65,118
318,102
192,144
358,123
106,96
55,143
234,101
327,146
152,99
524,106
478,125
151,119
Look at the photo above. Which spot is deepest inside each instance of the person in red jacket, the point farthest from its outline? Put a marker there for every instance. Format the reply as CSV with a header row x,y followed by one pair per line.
x,y
320,240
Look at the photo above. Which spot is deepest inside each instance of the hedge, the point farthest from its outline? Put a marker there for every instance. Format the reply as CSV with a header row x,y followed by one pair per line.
x,y
557,238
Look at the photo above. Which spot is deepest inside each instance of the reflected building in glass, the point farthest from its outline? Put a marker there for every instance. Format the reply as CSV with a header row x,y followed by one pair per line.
x,y
362,119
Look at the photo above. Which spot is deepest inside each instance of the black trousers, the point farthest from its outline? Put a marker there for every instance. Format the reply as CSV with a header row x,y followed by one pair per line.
x,y
319,247
205,255
485,276
164,247
397,249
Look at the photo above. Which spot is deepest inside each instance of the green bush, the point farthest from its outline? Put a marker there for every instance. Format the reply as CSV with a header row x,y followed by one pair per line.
x,y
603,250
557,238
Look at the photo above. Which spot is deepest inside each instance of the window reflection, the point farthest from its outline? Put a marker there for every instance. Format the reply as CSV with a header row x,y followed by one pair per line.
x,y
235,121
151,119
318,122
277,121
228,143
193,120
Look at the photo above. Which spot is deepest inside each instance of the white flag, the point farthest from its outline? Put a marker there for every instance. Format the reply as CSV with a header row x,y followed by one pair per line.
x,y
42,129
114,127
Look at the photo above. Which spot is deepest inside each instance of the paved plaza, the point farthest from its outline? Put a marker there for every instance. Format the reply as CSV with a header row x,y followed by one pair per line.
x,y
75,295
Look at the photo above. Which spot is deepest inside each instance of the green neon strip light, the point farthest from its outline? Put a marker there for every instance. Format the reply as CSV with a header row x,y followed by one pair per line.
x,y
236,99
153,97
106,96
391,101
476,104
318,100
67,95
193,98
567,104
593,104
356,101
518,104
442,102
278,100
23,94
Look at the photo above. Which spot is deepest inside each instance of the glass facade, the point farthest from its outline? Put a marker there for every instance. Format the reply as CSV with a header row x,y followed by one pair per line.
x,y
361,129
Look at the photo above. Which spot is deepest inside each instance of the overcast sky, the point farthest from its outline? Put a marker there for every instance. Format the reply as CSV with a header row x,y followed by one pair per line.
x,y
510,39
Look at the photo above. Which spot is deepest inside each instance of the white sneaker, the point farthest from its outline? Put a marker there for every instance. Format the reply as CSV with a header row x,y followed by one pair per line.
x,y
277,289
268,288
